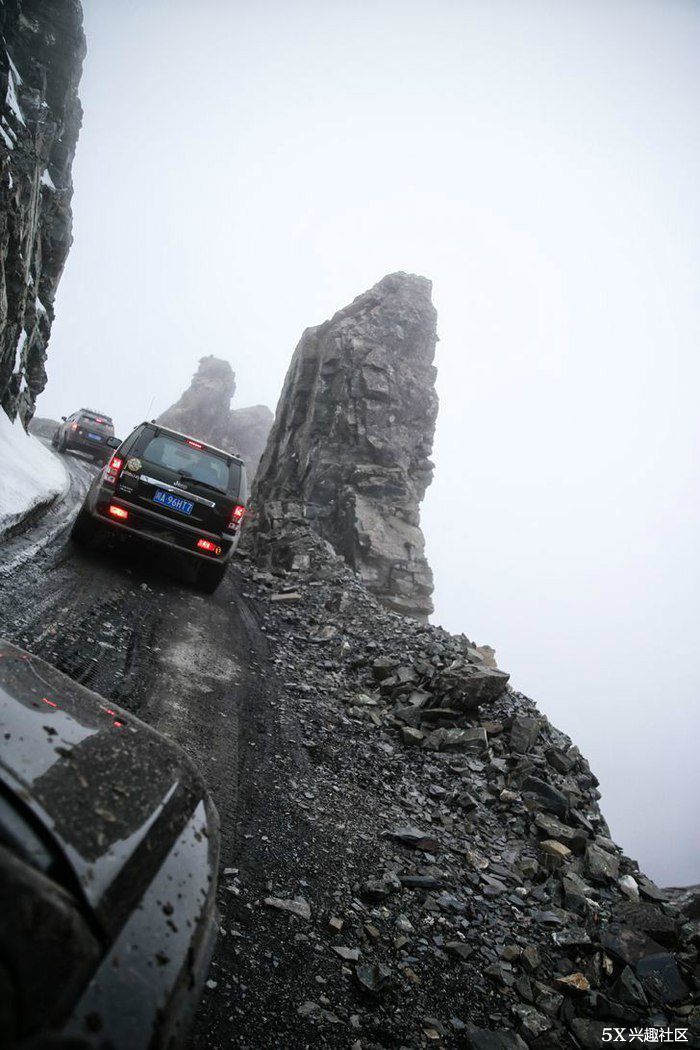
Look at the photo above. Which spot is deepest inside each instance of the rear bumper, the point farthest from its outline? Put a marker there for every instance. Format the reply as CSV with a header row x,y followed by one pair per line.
x,y
153,527
78,443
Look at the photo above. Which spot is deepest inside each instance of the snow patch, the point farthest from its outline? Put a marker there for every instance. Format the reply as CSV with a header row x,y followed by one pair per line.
x,y
11,97
29,473
46,180
14,69
20,348
40,308
8,141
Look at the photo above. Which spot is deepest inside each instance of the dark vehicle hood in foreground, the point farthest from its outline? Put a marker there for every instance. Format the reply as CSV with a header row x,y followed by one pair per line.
x,y
113,794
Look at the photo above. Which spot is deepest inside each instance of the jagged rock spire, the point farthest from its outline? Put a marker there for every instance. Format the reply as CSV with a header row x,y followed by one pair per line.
x,y
349,450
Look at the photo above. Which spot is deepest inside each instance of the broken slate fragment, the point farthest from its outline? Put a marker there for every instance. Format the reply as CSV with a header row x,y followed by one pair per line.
x,y
559,760
414,837
298,906
574,982
411,737
372,977
600,865
661,979
554,853
380,888
627,944
349,954
471,741
421,882
460,949
541,794
524,733
627,989
552,828
533,1022
651,920
308,1008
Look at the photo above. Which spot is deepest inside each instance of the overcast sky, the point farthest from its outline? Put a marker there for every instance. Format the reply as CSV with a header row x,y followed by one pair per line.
x,y
247,168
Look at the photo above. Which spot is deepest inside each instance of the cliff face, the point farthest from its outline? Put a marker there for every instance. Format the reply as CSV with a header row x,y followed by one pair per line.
x,y
41,56
204,411
349,451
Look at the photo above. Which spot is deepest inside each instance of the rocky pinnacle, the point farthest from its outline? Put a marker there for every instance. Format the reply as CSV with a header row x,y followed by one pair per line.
x,y
204,411
348,455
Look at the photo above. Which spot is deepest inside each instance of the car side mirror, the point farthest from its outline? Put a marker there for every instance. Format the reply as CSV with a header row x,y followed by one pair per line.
x,y
114,442
63,418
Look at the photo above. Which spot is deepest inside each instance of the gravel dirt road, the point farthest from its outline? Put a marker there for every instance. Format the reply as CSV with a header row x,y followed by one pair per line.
x,y
126,624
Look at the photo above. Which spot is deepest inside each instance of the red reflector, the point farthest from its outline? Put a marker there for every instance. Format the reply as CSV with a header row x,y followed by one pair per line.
x,y
118,512
237,514
113,469
194,444
207,545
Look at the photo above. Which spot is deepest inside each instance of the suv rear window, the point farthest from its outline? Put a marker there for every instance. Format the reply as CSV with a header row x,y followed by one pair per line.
x,y
192,463
87,417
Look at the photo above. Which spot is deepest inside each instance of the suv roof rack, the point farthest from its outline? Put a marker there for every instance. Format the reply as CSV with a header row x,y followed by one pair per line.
x,y
94,412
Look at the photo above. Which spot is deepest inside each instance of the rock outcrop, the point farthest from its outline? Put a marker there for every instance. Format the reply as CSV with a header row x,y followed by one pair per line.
x,y
348,455
204,411
248,432
41,56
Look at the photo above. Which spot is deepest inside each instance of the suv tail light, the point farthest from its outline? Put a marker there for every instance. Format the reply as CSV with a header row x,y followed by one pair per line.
x,y
207,545
114,469
237,515
74,426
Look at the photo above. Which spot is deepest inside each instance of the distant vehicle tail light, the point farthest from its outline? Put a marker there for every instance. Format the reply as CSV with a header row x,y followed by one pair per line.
x,y
74,426
207,545
237,515
114,469
118,512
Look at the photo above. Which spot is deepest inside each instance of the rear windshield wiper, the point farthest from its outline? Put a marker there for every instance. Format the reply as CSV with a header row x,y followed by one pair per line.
x,y
197,481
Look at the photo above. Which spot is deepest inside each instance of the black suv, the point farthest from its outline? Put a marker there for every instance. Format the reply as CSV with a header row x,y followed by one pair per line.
x,y
85,431
173,490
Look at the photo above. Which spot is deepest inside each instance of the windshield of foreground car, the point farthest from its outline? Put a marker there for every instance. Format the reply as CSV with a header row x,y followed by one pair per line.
x,y
191,464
